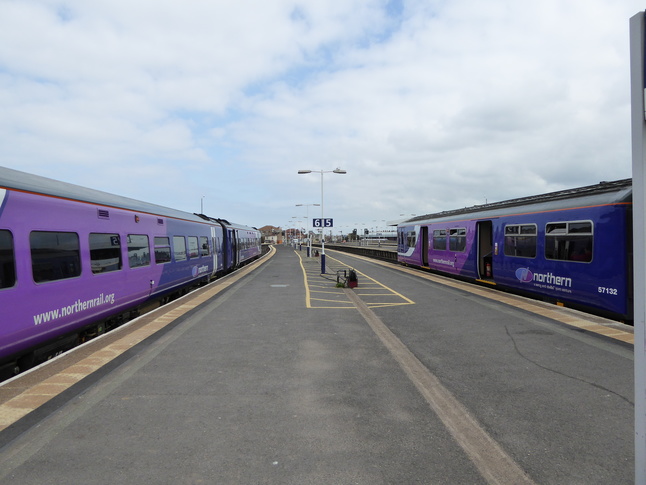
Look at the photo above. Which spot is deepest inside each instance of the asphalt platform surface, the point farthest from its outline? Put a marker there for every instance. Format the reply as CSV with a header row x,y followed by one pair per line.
x,y
285,378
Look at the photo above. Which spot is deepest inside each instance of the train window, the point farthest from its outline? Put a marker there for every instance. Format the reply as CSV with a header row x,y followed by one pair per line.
x,y
457,239
520,240
439,239
7,260
138,250
105,252
162,250
179,248
204,246
193,248
569,241
54,255
412,239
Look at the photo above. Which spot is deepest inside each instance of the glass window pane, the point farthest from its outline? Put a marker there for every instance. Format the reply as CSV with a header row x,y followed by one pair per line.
x,y
138,250
162,255
580,227
7,260
575,244
105,253
162,241
54,255
556,228
439,239
179,248
193,249
204,246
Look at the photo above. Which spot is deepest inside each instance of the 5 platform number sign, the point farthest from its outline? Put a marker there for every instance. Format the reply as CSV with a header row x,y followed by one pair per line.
x,y
323,223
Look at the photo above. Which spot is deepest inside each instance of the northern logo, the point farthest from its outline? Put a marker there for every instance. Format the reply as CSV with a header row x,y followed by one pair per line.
x,y
524,275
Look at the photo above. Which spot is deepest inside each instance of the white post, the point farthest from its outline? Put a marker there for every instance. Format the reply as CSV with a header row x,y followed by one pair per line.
x,y
638,125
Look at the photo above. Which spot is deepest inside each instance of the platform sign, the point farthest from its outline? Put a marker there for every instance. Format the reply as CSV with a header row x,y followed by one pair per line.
x,y
638,127
323,223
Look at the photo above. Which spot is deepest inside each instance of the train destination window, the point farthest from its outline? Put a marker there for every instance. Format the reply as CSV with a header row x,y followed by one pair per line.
x,y
105,252
457,239
439,239
569,241
179,248
138,250
7,260
204,246
193,248
520,240
54,255
162,250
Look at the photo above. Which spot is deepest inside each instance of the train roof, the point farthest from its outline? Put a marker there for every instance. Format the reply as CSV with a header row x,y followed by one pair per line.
x,y
26,182
603,193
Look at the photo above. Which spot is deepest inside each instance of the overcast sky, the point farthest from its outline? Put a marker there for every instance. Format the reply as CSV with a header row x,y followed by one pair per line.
x,y
429,105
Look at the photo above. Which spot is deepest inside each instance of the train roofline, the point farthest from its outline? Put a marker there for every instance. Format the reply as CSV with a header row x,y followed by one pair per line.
x,y
25,182
604,193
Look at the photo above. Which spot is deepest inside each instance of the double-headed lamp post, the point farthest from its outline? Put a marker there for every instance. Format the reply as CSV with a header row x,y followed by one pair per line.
x,y
336,170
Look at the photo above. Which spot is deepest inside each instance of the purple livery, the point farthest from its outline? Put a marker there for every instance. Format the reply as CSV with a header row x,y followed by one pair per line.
x,y
74,261
572,247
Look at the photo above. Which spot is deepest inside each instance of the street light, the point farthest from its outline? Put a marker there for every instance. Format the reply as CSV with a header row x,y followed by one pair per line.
x,y
307,218
340,172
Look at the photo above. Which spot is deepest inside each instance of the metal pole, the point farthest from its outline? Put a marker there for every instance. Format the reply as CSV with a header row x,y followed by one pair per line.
x,y
322,229
638,126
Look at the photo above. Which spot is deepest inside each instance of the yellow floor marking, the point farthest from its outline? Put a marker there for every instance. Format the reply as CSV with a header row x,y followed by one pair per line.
x,y
317,285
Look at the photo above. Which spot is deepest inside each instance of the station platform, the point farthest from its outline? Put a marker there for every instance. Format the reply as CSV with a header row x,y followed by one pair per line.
x,y
279,375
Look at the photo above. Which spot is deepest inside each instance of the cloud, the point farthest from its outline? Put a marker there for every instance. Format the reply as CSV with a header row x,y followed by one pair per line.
x,y
428,105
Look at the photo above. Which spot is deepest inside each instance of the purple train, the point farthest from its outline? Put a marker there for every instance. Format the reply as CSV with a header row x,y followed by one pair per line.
x,y
75,262
572,247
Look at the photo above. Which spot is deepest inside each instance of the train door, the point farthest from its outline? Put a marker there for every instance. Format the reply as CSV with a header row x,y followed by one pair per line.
x,y
424,234
485,249
234,248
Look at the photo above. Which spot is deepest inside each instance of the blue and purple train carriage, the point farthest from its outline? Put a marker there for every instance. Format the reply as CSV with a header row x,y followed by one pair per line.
x,y
74,261
572,247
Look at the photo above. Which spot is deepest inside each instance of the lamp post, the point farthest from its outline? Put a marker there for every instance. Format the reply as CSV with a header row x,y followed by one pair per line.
x,y
307,218
336,170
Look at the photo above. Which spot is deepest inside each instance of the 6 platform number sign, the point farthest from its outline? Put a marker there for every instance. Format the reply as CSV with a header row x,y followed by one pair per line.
x,y
322,223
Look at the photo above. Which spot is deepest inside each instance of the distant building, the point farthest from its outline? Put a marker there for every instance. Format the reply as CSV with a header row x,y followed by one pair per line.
x,y
271,234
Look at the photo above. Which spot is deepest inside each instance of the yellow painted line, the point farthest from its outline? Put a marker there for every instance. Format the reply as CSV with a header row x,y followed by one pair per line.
x,y
312,280
19,406
407,300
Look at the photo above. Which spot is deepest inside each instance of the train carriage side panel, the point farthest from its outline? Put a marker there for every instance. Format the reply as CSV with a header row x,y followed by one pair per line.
x,y
77,262
564,267
453,248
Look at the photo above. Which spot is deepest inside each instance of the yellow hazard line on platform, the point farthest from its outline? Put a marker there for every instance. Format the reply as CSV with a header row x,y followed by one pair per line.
x,y
360,292
317,286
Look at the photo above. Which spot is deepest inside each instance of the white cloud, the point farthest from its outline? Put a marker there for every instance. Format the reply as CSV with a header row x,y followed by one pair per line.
x,y
434,106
